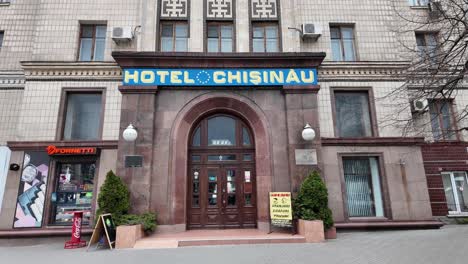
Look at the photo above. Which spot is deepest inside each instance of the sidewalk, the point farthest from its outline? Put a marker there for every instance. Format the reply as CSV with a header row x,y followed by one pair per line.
x,y
447,245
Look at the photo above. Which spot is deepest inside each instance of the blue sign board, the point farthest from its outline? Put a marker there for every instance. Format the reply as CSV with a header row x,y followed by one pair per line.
x,y
219,77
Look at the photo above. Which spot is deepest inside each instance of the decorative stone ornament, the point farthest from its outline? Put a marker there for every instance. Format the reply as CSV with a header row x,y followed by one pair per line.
x,y
219,9
130,133
308,133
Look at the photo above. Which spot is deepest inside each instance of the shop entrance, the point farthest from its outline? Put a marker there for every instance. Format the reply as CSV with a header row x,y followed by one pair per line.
x,y
221,180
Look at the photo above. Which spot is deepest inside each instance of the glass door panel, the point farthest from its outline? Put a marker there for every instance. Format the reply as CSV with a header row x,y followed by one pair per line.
x,y
231,187
212,188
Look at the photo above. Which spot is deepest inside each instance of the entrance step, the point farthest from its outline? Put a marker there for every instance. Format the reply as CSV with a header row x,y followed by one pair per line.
x,y
216,237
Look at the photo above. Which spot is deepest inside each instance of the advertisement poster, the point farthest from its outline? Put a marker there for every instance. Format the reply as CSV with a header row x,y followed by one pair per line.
x,y
32,190
280,209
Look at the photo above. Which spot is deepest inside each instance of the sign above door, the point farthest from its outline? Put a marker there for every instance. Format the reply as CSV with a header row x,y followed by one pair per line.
x,y
220,77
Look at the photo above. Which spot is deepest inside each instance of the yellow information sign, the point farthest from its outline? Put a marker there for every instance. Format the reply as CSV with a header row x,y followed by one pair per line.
x,y
280,209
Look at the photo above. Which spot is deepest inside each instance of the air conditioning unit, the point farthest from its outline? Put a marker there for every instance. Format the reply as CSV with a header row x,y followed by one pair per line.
x,y
435,9
419,105
310,31
121,34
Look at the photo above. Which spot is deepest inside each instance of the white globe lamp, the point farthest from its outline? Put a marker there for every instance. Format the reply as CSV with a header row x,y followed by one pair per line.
x,y
308,133
130,134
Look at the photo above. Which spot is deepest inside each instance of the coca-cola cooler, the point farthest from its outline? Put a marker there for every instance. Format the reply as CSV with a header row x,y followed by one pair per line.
x,y
75,241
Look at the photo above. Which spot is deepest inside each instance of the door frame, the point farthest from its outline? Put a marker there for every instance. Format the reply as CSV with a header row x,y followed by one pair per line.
x,y
239,163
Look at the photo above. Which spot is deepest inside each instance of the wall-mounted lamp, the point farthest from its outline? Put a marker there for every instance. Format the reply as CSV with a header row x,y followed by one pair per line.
x,y
308,133
130,133
14,167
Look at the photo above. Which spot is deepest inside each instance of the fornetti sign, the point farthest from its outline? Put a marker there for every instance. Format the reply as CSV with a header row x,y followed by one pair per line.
x,y
220,77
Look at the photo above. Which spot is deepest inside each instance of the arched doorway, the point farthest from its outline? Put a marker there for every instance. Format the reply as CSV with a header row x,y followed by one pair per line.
x,y
221,174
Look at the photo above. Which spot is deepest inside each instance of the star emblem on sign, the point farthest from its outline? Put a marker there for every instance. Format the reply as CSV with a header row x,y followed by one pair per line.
x,y
203,77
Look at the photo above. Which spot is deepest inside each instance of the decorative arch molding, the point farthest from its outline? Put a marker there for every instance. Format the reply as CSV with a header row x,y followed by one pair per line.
x,y
188,117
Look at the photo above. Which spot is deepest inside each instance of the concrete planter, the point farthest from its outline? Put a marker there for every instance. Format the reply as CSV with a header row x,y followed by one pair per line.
x,y
311,230
128,235
330,233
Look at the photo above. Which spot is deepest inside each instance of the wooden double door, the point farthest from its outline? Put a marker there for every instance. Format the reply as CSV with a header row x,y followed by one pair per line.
x,y
222,196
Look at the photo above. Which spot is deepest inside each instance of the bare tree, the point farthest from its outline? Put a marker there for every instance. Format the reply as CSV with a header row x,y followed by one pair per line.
x,y
437,68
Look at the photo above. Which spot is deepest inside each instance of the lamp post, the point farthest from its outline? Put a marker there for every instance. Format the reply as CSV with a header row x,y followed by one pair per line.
x,y
130,133
308,133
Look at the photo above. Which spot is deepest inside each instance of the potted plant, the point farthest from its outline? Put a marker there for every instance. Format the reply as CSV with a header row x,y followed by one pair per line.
x,y
311,209
114,198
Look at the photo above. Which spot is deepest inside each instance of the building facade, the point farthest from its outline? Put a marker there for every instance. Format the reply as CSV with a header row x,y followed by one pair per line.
x,y
219,92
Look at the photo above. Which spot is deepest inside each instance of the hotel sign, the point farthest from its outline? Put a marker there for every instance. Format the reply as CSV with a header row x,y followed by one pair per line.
x,y
219,77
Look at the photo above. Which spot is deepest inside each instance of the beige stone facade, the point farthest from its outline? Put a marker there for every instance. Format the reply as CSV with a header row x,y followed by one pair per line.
x,y
39,59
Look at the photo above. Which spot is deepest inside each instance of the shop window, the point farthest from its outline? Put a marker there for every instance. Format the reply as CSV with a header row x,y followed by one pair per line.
x,y
74,192
352,111
427,46
83,116
265,37
419,2
456,191
174,36
32,190
220,37
442,120
92,42
363,191
342,42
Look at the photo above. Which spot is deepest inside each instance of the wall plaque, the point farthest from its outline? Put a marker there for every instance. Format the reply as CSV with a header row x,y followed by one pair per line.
x,y
133,161
306,157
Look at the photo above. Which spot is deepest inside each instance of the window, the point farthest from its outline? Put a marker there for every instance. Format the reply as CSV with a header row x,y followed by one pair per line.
x,y
441,120
220,37
174,36
265,38
342,41
456,191
2,33
73,192
363,191
221,131
427,45
83,116
419,2
352,114
5,2
92,42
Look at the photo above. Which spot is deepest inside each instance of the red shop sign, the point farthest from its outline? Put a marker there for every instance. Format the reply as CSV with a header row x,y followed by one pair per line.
x,y
53,150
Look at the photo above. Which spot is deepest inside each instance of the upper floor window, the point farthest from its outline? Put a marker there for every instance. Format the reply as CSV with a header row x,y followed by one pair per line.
x,y
427,44
265,37
418,2
352,111
83,116
92,42
342,42
220,37
443,127
174,36
2,33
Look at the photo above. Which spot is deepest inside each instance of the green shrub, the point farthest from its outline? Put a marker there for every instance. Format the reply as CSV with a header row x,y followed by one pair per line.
x,y
311,202
147,221
114,197
462,221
